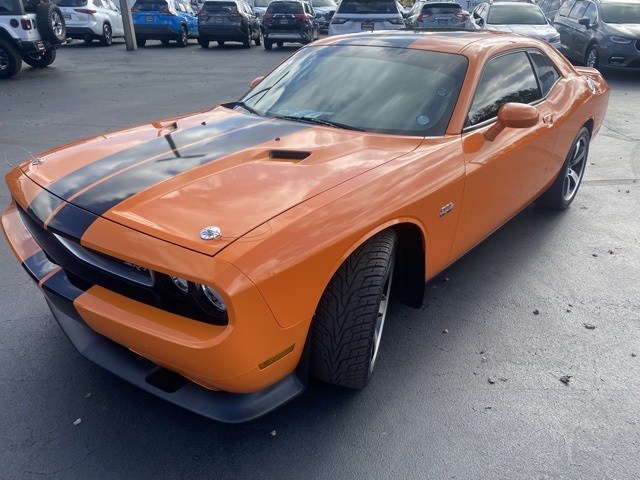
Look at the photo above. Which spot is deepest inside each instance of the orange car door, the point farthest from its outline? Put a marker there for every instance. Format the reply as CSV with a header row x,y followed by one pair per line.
x,y
504,175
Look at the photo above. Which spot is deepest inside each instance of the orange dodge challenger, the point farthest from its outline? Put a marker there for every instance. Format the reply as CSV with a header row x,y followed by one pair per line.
x,y
217,259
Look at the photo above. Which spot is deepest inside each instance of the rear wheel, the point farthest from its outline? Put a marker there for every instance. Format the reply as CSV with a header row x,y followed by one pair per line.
x,y
221,43
204,42
183,39
351,314
141,42
258,39
50,23
107,36
246,42
279,44
88,39
564,189
10,61
268,44
41,60
165,41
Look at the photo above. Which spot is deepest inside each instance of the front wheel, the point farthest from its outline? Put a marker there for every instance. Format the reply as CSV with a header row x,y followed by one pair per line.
x,y
41,61
10,61
565,187
107,36
348,323
592,57
183,39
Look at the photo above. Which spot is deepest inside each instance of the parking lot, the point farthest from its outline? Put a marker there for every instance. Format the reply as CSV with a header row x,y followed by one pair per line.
x,y
431,411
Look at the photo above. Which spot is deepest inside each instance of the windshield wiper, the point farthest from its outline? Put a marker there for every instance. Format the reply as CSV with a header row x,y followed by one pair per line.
x,y
319,121
241,105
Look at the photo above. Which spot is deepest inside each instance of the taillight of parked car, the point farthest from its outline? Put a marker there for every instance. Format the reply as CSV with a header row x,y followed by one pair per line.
x,y
461,16
300,16
26,24
267,16
422,15
85,10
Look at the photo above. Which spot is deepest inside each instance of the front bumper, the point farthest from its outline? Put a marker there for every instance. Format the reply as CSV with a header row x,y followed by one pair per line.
x,y
209,369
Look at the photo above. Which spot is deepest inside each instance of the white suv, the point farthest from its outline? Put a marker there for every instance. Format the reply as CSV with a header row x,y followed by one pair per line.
x,y
29,31
365,15
90,20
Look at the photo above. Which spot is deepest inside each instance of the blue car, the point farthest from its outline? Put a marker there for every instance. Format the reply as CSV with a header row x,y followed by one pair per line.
x,y
164,20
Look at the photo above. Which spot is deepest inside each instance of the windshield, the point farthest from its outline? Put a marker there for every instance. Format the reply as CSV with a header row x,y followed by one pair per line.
x,y
367,7
261,3
621,12
377,89
323,3
70,3
523,14
150,5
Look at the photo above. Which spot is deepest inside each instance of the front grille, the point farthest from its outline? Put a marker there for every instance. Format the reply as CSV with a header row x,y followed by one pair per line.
x,y
115,266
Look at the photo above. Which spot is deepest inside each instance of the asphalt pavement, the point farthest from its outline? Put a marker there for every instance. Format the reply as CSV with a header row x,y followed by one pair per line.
x,y
467,387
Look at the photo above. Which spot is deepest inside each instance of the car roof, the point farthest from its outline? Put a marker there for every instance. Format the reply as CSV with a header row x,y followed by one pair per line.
x,y
473,42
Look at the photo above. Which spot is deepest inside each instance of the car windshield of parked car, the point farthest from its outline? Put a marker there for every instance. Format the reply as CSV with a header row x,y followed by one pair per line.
x,y
368,7
522,14
621,13
261,3
285,7
151,6
323,3
70,3
220,7
376,89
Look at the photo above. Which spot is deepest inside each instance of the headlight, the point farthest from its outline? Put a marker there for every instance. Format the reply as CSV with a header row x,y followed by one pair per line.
x,y
213,297
624,40
180,283
554,39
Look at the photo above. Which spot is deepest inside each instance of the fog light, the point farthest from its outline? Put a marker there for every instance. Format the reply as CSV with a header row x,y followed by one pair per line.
x,y
616,60
180,283
213,297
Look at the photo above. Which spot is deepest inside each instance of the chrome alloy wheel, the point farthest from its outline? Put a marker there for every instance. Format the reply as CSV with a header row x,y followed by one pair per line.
x,y
56,23
382,315
575,169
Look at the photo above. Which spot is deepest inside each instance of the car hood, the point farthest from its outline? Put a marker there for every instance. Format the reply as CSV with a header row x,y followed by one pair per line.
x,y
624,29
219,168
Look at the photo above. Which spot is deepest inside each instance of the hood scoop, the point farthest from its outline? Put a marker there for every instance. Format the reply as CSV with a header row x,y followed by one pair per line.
x,y
288,154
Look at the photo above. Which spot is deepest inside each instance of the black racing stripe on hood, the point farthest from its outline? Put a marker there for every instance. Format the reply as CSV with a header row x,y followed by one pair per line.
x,y
104,196
44,205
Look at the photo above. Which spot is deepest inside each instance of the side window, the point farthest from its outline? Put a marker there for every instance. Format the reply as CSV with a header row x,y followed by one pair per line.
x,y
507,78
545,72
99,4
564,10
591,13
578,9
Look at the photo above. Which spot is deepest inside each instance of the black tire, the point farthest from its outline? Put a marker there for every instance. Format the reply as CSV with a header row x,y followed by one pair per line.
x,y
10,60
51,23
203,41
565,187
88,39
592,58
141,42
41,61
107,35
279,44
246,42
165,41
268,44
221,43
183,39
258,40
347,326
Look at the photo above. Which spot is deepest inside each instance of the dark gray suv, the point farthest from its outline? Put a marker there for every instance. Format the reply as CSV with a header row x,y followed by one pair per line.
x,y
600,33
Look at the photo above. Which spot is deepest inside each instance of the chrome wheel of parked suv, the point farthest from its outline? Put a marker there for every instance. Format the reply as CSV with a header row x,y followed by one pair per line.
x,y
592,57
107,37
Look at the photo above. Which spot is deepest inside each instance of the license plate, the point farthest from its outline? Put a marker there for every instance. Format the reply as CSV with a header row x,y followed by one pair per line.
x,y
442,22
366,26
284,21
40,46
217,20
149,18
67,15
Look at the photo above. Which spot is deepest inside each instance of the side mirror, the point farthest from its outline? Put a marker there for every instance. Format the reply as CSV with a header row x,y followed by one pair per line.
x,y
584,21
256,81
513,115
